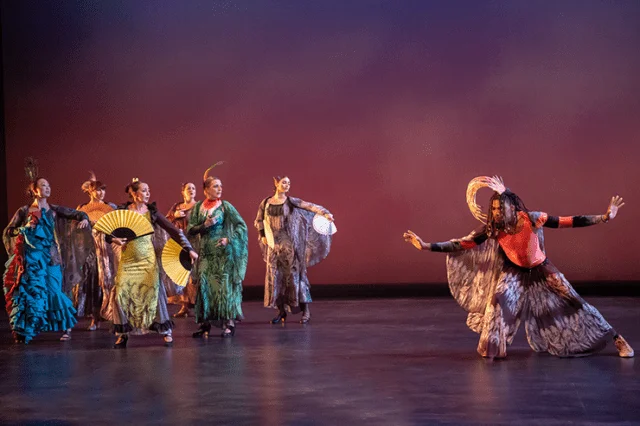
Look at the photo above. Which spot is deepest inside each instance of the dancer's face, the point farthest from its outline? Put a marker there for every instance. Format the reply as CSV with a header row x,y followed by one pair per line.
x,y
214,190
143,193
283,185
42,190
189,191
496,210
98,194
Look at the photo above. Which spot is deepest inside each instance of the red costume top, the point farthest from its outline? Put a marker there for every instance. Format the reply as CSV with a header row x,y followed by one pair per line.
x,y
523,247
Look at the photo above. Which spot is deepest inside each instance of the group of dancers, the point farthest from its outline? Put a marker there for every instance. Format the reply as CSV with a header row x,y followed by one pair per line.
x,y
499,273
60,267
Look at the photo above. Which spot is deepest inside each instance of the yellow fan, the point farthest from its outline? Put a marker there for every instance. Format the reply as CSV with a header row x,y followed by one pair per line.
x,y
96,210
124,224
176,263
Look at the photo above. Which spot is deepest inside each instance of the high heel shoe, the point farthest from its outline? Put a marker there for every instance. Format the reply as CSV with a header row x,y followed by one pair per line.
x,y
168,340
230,331
281,318
306,313
203,331
66,336
121,343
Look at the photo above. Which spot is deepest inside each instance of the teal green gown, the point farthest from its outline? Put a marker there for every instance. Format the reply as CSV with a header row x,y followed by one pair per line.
x,y
33,279
220,269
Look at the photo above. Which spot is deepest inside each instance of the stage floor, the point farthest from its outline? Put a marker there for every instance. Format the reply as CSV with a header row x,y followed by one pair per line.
x,y
373,362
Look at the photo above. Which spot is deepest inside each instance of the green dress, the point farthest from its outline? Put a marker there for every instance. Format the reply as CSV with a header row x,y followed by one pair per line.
x,y
220,269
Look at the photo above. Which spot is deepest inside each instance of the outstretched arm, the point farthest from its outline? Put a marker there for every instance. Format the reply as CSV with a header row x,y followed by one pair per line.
x,y
72,214
472,240
315,208
177,235
583,220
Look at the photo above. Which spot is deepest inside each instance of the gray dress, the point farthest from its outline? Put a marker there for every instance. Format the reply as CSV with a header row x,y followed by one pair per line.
x,y
293,246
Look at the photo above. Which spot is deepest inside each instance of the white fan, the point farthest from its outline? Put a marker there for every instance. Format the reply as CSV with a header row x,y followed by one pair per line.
x,y
323,226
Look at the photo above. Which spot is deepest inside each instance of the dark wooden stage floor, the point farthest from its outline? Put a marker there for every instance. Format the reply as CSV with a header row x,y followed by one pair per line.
x,y
373,362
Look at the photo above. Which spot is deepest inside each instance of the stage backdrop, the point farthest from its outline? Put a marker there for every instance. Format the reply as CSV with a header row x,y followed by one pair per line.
x,y
381,111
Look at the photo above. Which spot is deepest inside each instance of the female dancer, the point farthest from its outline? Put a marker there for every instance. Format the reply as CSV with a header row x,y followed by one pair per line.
x,y
179,217
501,275
138,300
33,281
223,259
99,268
290,245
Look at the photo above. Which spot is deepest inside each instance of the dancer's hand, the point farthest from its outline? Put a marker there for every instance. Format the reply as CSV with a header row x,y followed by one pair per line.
x,y
329,217
416,241
119,241
263,240
83,224
179,213
210,221
222,242
614,205
193,255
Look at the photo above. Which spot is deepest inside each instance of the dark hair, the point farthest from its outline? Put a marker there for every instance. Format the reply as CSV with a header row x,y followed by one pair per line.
x,y
208,181
92,185
133,187
184,185
31,189
507,224
276,181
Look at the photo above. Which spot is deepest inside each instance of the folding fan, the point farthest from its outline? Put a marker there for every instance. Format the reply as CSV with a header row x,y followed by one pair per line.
x,y
323,226
176,263
96,210
124,224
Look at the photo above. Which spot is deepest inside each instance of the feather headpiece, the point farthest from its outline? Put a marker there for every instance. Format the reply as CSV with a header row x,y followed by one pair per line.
x,y
31,169
495,183
206,172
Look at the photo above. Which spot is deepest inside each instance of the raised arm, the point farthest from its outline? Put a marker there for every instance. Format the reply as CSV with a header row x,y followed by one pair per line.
x,y
69,213
175,234
582,220
472,240
315,208
172,212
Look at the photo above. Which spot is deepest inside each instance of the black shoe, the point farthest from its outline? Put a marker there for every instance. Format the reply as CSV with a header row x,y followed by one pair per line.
x,y
121,343
230,331
305,319
203,331
18,338
281,318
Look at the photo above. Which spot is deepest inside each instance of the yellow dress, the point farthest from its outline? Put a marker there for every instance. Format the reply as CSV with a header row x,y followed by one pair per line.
x,y
137,285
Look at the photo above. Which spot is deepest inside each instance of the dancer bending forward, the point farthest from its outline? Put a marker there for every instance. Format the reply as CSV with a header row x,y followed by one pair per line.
x,y
501,275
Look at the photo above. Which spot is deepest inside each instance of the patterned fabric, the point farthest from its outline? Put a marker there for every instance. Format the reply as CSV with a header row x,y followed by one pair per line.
x,y
138,301
33,278
220,270
499,295
296,247
188,293
91,296
136,291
